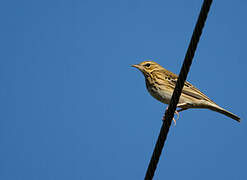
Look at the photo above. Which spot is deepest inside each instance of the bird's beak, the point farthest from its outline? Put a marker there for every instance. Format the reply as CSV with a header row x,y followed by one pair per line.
x,y
136,66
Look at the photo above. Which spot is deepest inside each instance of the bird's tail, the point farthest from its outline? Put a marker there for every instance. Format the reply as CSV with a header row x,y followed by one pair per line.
x,y
225,112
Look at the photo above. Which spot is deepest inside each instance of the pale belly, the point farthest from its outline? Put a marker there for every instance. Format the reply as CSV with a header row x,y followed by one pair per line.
x,y
159,94
163,96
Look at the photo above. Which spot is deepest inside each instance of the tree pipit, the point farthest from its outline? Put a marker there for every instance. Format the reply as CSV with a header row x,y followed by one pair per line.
x,y
160,84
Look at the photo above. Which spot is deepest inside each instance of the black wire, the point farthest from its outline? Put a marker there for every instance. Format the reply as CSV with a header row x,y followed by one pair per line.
x,y
169,114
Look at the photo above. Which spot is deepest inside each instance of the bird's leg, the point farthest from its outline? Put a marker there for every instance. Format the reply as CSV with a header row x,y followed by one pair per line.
x,y
174,120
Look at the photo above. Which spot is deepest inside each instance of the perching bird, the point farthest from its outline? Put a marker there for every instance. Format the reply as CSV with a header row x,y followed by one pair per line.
x,y
161,83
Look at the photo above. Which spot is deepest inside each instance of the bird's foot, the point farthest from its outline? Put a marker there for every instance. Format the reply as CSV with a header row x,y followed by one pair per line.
x,y
174,120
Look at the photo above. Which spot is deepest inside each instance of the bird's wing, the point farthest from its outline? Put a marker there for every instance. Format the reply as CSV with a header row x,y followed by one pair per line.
x,y
188,88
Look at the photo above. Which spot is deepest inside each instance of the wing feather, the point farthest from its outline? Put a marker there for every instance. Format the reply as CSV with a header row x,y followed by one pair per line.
x,y
188,88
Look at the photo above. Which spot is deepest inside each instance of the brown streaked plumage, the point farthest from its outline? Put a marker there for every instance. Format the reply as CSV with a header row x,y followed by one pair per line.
x,y
161,83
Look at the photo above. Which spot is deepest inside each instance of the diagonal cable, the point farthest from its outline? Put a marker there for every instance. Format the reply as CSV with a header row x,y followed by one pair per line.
x,y
169,114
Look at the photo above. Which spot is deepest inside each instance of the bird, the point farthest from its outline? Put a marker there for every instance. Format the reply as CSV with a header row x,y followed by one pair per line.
x,y
160,83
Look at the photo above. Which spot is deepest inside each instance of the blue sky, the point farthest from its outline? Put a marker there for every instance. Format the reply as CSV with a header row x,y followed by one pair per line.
x,y
73,108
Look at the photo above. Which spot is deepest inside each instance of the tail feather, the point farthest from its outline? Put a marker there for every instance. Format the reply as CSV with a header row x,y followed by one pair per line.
x,y
225,112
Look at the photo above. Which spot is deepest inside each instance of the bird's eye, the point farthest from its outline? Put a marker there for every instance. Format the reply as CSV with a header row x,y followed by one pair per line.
x,y
147,65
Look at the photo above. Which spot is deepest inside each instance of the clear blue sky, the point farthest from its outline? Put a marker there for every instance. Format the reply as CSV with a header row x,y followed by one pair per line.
x,y
71,107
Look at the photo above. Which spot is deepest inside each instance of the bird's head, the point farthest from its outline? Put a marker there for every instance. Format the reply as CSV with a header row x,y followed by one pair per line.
x,y
147,67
